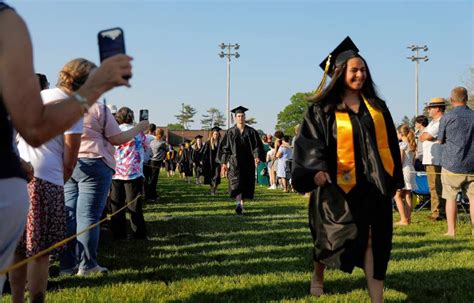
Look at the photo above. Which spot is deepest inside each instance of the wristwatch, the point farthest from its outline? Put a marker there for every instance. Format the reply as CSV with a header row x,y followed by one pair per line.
x,y
82,101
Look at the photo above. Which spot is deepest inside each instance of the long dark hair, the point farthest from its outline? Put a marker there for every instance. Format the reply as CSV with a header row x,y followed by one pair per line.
x,y
331,97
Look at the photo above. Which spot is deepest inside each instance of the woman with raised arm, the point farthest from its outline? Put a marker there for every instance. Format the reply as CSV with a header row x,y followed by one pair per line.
x,y
21,108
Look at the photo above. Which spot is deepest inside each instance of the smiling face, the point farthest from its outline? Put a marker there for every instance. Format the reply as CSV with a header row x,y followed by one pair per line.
x,y
356,73
215,135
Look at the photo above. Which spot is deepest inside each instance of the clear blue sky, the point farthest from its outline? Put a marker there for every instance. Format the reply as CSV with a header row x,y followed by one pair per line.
x,y
175,46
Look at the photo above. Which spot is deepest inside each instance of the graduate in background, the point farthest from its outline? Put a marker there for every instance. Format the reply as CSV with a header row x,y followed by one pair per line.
x,y
170,160
346,154
184,161
197,151
210,167
239,152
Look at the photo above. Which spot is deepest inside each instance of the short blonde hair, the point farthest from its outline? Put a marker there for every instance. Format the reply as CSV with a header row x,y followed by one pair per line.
x,y
75,73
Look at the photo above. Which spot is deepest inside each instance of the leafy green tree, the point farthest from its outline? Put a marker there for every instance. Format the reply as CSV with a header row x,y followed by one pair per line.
x,y
293,113
250,121
468,81
213,118
186,115
175,126
408,121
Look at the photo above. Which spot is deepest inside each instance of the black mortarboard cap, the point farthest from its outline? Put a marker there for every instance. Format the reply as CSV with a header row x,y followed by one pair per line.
x,y
187,141
216,129
198,137
345,50
239,109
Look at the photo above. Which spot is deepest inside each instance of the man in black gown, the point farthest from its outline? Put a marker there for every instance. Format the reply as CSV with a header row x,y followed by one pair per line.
x,y
239,151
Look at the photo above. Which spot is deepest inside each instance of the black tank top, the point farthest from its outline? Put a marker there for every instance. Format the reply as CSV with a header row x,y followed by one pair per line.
x,y
9,160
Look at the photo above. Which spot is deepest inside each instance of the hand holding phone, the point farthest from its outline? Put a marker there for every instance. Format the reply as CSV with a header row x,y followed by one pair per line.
x,y
143,114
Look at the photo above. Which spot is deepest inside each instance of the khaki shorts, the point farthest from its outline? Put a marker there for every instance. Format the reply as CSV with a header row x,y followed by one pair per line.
x,y
452,184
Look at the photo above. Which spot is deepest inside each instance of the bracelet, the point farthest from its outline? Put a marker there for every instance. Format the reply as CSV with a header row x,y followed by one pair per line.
x,y
82,101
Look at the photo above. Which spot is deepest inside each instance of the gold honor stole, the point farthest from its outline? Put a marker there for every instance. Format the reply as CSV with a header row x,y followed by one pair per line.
x,y
346,175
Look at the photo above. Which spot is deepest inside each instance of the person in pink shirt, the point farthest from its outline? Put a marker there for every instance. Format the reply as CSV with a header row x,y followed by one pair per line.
x,y
87,190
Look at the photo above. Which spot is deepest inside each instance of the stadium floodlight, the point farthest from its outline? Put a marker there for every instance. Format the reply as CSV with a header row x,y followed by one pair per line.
x,y
229,55
416,58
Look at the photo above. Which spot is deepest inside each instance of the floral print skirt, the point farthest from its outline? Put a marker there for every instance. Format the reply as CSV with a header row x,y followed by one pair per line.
x,y
46,224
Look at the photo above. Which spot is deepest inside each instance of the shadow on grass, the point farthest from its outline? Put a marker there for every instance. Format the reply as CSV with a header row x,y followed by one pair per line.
x,y
417,286
198,240
453,285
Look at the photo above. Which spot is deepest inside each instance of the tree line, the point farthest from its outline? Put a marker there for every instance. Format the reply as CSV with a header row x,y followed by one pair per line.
x,y
291,115
212,118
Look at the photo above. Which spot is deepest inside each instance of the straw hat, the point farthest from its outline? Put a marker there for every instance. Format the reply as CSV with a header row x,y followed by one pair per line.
x,y
435,102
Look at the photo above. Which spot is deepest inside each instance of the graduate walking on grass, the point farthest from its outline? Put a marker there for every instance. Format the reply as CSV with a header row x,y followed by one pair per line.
x,y
197,151
210,167
185,162
347,155
239,152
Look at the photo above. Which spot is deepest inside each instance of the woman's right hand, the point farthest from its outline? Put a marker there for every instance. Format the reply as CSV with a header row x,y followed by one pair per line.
x,y
110,74
143,125
322,178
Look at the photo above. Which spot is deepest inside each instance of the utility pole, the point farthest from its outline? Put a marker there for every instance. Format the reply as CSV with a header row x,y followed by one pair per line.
x,y
182,113
229,55
416,58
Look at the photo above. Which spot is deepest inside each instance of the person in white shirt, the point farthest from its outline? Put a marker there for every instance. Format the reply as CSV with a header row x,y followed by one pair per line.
x,y
53,163
432,157
407,151
150,136
421,122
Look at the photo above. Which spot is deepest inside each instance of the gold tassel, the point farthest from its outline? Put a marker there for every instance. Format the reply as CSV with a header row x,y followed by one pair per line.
x,y
325,75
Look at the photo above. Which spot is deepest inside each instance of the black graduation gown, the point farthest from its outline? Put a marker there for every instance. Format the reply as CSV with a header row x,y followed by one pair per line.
x,y
339,222
210,167
196,157
170,160
186,163
240,151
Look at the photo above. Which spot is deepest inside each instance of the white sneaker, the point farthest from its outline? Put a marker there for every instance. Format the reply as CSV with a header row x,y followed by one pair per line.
x,y
272,187
94,270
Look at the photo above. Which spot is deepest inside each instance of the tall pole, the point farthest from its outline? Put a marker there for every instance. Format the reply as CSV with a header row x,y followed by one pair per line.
x,y
229,47
416,58
417,83
182,113
228,91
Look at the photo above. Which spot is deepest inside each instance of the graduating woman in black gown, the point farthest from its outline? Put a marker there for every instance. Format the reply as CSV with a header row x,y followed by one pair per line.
x,y
347,156
185,162
240,150
197,151
210,167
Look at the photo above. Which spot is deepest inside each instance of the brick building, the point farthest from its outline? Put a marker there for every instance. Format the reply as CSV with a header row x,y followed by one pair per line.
x,y
176,137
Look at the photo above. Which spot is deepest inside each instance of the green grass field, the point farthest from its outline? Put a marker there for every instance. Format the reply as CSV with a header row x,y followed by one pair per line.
x,y
199,251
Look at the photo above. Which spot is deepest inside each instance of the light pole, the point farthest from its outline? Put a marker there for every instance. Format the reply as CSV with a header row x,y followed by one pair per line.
x,y
229,55
416,58
182,113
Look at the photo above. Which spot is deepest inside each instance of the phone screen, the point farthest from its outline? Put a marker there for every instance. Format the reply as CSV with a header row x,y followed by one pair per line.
x,y
111,42
143,114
